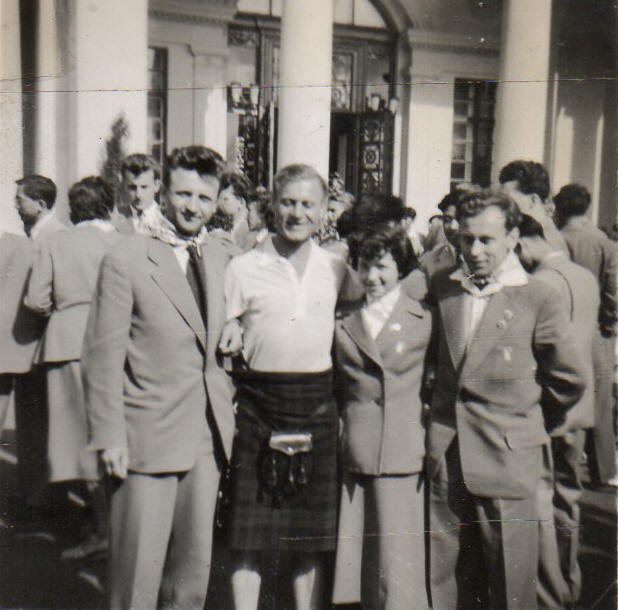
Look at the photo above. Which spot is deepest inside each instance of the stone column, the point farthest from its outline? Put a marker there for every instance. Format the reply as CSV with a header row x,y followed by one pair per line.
x,y
11,159
521,105
305,77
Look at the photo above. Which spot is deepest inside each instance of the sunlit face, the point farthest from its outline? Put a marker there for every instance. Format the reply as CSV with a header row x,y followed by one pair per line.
x,y
485,241
378,275
450,224
191,200
28,209
299,210
229,203
141,188
335,209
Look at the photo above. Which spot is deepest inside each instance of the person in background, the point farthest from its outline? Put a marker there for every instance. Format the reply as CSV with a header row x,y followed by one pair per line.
x,y
158,400
339,202
280,311
231,216
258,213
416,238
591,248
60,288
559,582
381,347
508,364
34,200
527,183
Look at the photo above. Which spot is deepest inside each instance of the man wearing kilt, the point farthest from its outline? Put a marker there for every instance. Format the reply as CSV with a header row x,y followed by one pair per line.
x,y
280,302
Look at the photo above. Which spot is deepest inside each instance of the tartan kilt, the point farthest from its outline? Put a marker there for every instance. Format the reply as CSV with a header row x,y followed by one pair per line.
x,y
304,521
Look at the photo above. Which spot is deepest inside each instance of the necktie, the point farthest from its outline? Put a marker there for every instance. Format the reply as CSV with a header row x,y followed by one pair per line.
x,y
194,278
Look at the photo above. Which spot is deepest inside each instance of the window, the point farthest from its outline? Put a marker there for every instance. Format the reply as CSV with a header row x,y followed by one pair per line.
x,y
473,125
157,103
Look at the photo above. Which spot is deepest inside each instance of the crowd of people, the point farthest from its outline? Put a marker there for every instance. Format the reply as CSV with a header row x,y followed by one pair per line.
x,y
315,378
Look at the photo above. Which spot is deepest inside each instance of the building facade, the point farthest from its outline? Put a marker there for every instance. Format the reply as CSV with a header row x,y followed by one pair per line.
x,y
408,96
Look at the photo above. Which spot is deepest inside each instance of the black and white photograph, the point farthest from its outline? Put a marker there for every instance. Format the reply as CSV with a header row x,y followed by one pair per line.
x,y
308,304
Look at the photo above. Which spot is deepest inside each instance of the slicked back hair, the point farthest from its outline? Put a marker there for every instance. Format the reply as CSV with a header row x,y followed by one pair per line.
x,y
472,204
138,163
39,188
205,161
531,177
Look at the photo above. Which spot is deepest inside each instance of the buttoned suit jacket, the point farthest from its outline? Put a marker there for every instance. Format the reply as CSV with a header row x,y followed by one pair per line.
x,y
61,285
20,329
149,362
381,384
579,288
489,394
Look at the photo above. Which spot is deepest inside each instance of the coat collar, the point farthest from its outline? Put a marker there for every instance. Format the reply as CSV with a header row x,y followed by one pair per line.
x,y
353,324
168,275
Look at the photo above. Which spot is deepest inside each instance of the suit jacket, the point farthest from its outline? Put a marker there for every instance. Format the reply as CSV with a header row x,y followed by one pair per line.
x,y
124,224
48,228
149,362
381,383
521,365
62,284
592,249
20,329
580,292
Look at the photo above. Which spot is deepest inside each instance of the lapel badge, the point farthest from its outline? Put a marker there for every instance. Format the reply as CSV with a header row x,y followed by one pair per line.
x,y
508,314
399,347
508,353
395,327
501,324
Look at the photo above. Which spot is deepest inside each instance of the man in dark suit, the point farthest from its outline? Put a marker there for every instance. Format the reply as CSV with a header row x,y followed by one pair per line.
x,y
559,582
507,360
591,248
159,404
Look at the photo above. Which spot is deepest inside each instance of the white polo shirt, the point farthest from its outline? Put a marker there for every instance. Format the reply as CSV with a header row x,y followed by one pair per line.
x,y
288,321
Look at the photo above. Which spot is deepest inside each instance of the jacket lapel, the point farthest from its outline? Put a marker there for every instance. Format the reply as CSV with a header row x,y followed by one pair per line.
x,y
397,320
491,329
452,316
168,275
353,325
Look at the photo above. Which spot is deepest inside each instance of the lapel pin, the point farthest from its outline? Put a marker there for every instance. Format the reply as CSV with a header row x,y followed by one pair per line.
x,y
507,354
399,347
395,327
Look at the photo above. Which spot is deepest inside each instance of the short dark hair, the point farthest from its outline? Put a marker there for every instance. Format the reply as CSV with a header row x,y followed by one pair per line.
x,y
373,242
295,172
239,182
138,163
39,187
456,193
370,211
530,227
205,161
472,204
572,200
531,177
90,198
